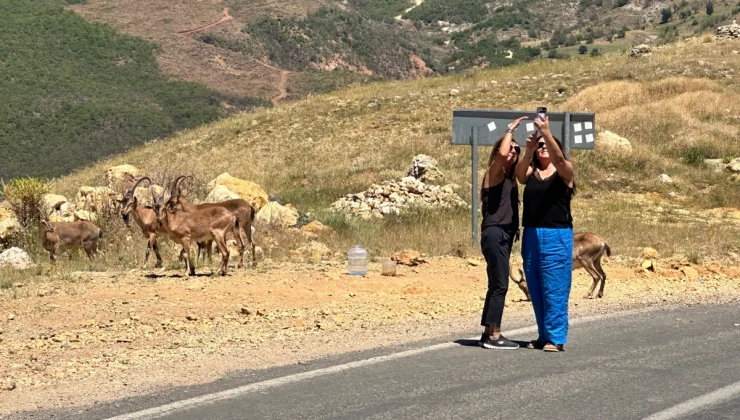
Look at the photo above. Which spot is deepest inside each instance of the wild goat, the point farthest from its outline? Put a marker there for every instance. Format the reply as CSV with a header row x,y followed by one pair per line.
x,y
186,227
587,251
241,209
145,218
58,236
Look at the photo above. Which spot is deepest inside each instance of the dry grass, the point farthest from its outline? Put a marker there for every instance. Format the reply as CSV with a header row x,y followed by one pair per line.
x,y
678,102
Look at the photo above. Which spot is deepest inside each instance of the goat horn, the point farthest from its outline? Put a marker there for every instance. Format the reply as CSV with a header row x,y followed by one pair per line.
x,y
136,184
176,185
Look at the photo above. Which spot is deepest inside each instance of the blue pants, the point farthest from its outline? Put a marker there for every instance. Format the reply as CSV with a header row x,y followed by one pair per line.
x,y
548,266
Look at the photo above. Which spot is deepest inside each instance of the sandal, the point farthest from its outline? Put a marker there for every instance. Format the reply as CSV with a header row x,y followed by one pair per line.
x,y
553,348
536,344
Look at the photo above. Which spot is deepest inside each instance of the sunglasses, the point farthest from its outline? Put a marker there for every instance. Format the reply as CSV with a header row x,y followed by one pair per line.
x,y
516,149
540,145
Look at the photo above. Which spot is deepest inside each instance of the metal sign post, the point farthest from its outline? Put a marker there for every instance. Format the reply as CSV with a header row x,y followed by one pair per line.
x,y
483,127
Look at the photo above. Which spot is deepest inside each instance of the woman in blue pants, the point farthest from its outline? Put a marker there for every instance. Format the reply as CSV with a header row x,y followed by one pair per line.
x,y
547,241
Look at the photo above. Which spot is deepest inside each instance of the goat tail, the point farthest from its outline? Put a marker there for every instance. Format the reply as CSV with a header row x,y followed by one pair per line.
x,y
100,233
608,250
236,225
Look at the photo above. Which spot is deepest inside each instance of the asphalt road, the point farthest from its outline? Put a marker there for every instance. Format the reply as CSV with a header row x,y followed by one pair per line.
x,y
626,367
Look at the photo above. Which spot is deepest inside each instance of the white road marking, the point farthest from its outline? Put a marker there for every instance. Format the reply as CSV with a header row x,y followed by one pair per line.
x,y
713,398
194,402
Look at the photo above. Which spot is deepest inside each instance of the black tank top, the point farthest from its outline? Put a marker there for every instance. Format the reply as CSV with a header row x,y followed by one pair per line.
x,y
501,204
547,203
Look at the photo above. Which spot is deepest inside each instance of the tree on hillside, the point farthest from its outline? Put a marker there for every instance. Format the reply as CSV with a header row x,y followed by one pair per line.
x,y
710,8
665,15
582,49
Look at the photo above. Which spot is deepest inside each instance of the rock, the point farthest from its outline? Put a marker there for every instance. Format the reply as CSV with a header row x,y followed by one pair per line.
x,y
690,272
191,317
648,265
96,199
85,215
144,194
614,142
407,257
11,316
424,168
220,194
734,166
473,262
454,92
273,214
317,228
649,254
253,193
15,258
52,202
9,225
314,251
665,179
640,51
7,386
245,311
117,176
728,31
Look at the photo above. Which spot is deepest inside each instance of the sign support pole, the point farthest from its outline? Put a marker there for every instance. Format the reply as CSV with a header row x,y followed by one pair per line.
x,y
474,188
566,135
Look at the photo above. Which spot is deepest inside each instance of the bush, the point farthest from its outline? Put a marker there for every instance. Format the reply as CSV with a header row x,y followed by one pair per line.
x,y
595,52
665,15
710,8
24,196
582,49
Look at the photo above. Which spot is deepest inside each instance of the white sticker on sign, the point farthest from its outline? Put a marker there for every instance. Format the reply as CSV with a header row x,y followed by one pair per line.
x,y
588,125
530,126
577,127
579,139
491,126
589,138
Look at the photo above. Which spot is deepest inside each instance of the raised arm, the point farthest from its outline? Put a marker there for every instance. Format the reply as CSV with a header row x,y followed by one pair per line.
x,y
497,160
524,167
562,166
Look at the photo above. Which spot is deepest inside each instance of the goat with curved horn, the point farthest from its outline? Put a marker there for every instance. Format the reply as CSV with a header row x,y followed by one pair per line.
x,y
199,225
145,218
240,208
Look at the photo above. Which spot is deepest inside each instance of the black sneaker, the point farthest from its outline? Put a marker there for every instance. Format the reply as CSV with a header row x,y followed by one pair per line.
x,y
501,343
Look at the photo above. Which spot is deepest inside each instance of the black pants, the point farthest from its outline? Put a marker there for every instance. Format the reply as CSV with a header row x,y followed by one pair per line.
x,y
495,243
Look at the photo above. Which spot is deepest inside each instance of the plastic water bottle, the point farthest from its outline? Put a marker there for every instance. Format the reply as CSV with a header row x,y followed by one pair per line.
x,y
357,261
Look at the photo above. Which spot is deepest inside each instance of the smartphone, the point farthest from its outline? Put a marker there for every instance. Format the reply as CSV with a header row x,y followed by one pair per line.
x,y
541,113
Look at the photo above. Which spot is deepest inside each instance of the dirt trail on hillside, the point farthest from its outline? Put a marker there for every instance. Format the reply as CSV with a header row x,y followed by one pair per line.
x,y
225,18
97,336
282,85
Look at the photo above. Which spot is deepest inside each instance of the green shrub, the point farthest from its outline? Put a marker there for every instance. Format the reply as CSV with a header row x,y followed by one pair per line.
x,y
582,49
24,196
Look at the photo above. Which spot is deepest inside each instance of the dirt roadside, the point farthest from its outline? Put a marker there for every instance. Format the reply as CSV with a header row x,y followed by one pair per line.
x,y
96,337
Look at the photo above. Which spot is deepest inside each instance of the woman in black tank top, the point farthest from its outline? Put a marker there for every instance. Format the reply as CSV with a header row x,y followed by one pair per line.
x,y
547,241
500,201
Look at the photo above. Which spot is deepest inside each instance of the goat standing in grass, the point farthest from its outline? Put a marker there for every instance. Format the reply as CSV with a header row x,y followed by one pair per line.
x,y
241,209
58,236
188,227
588,248
144,217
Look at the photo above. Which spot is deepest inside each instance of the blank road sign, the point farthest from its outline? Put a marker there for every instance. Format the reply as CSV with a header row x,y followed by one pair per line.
x,y
490,125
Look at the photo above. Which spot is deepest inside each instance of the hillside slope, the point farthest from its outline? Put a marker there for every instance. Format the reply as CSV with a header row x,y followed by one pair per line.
x,y
74,92
246,48
677,107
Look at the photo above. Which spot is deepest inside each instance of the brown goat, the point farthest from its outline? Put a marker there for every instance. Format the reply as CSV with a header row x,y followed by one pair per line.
x,y
587,251
187,227
145,218
241,209
58,236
